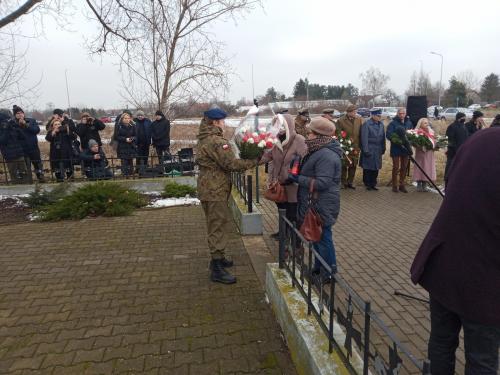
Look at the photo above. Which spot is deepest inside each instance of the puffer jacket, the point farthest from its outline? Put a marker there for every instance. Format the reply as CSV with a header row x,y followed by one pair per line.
x,y
11,139
325,166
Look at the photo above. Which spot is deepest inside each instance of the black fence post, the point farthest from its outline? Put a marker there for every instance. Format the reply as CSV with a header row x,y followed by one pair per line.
x,y
309,279
331,312
282,229
257,192
366,351
426,367
249,194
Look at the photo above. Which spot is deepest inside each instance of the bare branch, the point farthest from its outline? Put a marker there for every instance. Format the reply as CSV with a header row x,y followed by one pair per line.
x,y
22,10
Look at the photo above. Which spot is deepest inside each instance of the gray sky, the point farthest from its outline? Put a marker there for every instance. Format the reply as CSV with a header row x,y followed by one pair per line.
x,y
333,41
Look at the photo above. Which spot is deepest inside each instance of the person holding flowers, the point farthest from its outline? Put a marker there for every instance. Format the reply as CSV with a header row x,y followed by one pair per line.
x,y
216,160
289,147
424,156
398,153
351,124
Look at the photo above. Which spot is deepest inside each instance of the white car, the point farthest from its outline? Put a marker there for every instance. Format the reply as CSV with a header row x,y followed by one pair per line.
x,y
450,113
388,112
474,107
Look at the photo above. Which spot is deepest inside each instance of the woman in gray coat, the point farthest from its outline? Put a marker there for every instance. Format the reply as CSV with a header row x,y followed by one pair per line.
x,y
323,163
372,148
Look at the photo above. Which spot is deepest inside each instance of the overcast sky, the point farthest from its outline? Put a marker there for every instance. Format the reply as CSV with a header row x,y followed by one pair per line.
x,y
331,41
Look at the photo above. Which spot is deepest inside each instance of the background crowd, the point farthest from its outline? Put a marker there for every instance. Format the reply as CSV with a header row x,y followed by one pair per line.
x,y
80,143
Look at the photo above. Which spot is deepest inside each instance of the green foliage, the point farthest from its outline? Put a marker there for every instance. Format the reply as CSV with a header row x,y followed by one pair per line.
x,y
41,197
96,199
175,190
490,89
456,95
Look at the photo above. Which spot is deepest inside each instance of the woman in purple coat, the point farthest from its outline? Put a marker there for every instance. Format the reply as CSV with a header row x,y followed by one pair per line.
x,y
458,262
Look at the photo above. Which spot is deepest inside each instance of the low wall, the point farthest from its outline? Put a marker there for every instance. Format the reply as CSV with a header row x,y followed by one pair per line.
x,y
248,223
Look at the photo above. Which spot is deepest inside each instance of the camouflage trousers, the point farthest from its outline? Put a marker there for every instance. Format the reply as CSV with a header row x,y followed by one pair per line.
x,y
217,217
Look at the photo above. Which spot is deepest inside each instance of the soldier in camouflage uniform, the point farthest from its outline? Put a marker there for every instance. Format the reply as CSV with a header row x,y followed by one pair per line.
x,y
216,161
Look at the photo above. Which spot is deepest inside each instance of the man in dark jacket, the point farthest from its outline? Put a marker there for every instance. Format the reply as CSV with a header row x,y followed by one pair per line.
x,y
458,262
88,129
476,123
95,163
457,134
29,128
398,153
160,134
143,138
372,141
11,139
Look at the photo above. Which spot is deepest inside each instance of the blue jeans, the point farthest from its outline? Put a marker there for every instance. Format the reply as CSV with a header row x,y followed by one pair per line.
x,y
481,343
325,248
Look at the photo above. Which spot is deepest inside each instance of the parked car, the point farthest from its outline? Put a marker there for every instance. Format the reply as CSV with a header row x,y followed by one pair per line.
x,y
363,112
490,106
474,107
388,112
108,119
450,113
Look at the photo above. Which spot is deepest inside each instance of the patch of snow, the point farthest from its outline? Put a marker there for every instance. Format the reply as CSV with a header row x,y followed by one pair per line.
x,y
16,201
170,202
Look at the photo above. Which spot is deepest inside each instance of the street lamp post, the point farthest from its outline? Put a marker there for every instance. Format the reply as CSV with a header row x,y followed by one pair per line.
x,y
440,78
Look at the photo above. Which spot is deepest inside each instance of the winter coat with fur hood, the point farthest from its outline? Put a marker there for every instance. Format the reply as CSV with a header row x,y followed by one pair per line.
x,y
281,155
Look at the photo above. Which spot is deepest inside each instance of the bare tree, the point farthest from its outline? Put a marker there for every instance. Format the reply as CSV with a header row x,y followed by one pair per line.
x,y
472,84
166,50
12,10
420,84
374,82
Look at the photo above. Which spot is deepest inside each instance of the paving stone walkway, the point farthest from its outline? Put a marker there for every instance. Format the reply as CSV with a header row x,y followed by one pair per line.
x,y
130,295
376,238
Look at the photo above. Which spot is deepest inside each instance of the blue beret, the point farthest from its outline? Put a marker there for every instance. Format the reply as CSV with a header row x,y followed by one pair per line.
x,y
376,111
215,114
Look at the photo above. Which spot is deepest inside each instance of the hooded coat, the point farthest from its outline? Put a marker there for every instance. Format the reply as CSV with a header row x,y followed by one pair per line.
x,y
160,132
372,145
143,128
216,160
458,262
281,156
325,165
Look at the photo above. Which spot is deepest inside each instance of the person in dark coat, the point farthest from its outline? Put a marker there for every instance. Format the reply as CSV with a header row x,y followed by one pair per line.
x,y
143,139
88,129
496,121
458,262
476,123
95,163
61,132
372,148
29,128
457,134
436,112
160,133
399,155
125,135
323,163
11,139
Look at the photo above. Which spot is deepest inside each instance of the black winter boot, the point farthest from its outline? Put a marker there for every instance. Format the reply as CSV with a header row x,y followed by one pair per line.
x,y
226,263
219,274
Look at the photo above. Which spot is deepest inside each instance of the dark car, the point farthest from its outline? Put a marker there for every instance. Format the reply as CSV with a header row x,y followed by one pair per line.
x,y
363,112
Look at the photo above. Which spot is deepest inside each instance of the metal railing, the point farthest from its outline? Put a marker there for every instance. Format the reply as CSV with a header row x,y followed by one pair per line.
x,y
179,164
243,184
334,302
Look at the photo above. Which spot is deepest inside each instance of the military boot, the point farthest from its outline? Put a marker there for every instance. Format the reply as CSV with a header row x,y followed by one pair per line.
x,y
226,263
219,274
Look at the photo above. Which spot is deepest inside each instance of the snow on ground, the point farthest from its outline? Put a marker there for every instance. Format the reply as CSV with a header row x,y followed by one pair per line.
x,y
14,199
170,202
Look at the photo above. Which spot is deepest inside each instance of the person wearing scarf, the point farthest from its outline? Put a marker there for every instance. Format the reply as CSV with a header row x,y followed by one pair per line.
x,y
425,158
323,163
